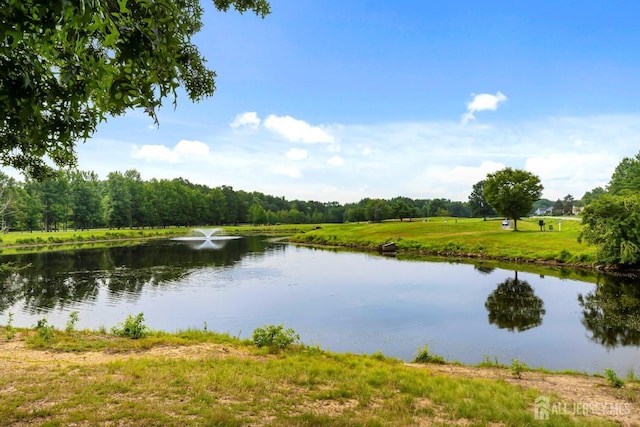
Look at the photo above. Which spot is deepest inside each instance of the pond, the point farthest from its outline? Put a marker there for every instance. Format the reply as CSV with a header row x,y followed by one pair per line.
x,y
341,301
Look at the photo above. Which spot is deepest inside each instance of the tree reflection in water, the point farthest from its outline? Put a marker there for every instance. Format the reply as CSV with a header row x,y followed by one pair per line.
x,y
50,280
514,306
611,312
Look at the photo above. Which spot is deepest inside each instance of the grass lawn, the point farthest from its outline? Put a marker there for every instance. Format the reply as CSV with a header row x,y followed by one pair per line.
x,y
464,237
203,378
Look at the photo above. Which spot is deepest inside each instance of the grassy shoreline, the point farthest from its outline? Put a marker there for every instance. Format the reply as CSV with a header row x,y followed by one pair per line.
x,y
464,238
199,377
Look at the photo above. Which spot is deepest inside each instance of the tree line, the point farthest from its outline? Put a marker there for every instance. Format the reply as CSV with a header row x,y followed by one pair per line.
x,y
79,200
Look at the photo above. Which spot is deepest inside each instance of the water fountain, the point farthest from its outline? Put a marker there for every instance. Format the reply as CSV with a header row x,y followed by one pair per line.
x,y
206,239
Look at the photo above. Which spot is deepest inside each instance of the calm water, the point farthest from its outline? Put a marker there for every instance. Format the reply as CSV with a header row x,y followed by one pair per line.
x,y
341,301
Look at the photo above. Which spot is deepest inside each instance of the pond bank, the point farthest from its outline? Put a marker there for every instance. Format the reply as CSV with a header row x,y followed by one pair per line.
x,y
212,379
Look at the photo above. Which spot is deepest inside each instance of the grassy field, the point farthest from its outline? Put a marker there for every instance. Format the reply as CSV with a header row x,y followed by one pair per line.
x,y
464,237
203,378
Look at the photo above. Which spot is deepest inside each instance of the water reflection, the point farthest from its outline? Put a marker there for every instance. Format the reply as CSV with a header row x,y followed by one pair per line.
x,y
340,300
50,280
514,306
611,312
483,269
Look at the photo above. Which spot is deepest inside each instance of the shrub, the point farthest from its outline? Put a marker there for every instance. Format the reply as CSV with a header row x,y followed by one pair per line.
x,y
132,327
274,337
73,319
613,378
11,332
45,331
564,256
423,356
517,368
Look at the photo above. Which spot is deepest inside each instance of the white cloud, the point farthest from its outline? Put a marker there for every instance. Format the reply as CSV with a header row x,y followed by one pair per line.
x,y
558,169
482,102
249,120
191,148
424,160
336,161
152,153
297,130
296,154
289,171
184,149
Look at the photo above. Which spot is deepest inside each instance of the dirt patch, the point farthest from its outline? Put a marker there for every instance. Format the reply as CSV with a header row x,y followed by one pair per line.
x,y
16,356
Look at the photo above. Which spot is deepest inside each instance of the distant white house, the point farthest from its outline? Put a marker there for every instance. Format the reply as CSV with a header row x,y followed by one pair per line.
x,y
543,210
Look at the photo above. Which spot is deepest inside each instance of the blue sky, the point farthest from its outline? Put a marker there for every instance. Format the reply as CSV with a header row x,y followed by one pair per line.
x,y
341,100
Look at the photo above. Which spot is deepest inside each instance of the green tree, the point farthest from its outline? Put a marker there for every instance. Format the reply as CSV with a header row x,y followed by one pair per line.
x,y
626,176
402,208
511,192
65,66
117,201
217,206
8,201
568,203
558,207
137,214
257,214
85,200
354,213
592,195
612,224
477,204
459,210
31,206
377,210
438,207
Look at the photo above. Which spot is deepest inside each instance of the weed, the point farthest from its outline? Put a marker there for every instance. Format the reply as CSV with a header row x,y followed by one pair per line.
x,y
564,256
423,356
132,327
10,330
613,378
274,337
631,375
73,320
45,331
378,355
488,363
517,368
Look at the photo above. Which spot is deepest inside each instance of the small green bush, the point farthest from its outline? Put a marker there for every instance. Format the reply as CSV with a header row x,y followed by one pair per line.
x,y
10,330
274,337
564,256
73,320
132,327
517,368
423,356
45,331
613,378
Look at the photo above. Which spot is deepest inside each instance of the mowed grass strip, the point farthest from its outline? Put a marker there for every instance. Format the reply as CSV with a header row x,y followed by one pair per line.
x,y
230,382
464,237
